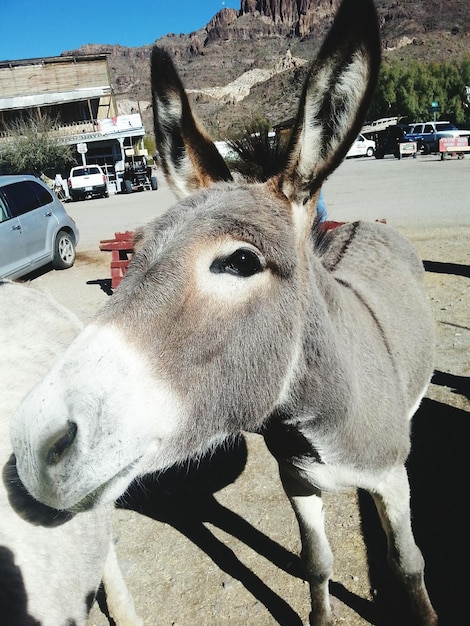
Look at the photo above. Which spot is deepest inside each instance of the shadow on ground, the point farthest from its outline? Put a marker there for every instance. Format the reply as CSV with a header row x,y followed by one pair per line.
x,y
438,473
458,269
184,498
104,284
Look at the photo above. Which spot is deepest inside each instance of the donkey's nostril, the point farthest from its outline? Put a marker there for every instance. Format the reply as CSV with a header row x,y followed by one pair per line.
x,y
58,448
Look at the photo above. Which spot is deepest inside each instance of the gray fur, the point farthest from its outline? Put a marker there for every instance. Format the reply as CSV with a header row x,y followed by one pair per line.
x,y
237,313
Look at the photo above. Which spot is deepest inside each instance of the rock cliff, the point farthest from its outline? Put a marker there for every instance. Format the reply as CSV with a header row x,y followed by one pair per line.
x,y
291,17
250,62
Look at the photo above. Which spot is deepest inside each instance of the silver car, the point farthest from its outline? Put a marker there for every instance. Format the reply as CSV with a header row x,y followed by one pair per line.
x,y
35,229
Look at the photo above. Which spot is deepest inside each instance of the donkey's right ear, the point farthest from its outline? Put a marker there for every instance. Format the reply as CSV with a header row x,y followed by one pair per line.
x,y
190,159
337,93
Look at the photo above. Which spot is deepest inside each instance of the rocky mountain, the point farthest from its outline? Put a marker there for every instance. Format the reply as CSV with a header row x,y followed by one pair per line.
x,y
251,62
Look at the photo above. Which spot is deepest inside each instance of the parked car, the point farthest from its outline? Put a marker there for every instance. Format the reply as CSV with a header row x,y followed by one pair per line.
x,y
361,147
35,229
86,181
388,141
428,134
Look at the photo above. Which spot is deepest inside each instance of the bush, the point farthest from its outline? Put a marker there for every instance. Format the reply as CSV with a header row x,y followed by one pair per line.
x,y
32,148
260,153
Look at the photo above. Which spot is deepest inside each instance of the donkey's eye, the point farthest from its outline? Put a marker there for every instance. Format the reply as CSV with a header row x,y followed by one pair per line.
x,y
242,262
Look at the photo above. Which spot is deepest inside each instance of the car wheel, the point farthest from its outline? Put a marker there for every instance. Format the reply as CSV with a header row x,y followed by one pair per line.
x,y
154,183
64,251
426,148
370,152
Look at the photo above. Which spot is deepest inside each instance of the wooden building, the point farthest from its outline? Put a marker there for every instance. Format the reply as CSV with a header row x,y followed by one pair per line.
x,y
75,92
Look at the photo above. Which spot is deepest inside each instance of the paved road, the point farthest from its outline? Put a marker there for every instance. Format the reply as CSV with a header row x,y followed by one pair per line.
x,y
404,192
99,218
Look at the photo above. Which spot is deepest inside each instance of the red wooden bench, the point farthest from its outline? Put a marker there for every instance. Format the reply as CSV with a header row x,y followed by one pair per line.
x,y
121,248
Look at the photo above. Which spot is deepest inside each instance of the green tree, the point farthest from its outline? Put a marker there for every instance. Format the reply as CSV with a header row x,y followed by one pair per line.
x,y
408,88
32,146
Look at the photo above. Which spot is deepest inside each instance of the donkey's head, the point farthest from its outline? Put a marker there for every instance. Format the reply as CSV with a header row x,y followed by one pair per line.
x,y
204,336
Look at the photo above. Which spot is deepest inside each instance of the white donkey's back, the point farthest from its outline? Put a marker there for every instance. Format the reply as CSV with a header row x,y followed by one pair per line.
x,y
51,562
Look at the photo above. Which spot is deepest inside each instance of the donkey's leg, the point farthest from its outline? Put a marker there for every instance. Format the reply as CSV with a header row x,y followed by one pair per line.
x,y
316,552
118,597
392,499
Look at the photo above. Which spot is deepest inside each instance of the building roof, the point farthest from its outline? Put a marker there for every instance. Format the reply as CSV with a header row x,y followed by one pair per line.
x,y
47,81
48,60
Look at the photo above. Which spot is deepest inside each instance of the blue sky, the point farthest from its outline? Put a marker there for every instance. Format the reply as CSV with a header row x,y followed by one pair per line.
x,y
39,28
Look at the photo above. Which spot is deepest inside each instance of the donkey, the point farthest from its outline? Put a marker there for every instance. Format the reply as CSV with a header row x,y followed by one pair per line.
x,y
51,563
235,314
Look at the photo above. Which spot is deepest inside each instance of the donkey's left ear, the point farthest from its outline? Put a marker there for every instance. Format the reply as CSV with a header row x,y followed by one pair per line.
x,y
336,96
190,159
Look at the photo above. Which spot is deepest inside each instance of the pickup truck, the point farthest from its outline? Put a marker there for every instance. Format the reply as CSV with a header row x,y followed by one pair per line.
x,y
86,181
427,134
388,140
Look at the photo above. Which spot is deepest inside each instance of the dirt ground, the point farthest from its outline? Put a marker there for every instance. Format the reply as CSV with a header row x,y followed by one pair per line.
x,y
218,544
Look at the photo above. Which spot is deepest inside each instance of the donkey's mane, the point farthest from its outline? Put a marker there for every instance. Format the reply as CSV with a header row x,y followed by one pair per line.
x,y
261,155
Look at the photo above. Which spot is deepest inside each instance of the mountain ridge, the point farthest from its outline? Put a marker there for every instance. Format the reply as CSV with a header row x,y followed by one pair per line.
x,y
233,67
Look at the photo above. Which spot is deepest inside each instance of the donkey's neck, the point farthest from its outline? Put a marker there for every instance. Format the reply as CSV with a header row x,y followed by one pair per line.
x,y
356,357
329,379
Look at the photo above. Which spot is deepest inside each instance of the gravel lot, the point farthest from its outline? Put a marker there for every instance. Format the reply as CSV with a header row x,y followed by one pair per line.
x,y
218,544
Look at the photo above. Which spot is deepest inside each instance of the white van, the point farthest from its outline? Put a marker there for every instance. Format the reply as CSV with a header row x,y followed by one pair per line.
x,y
361,147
